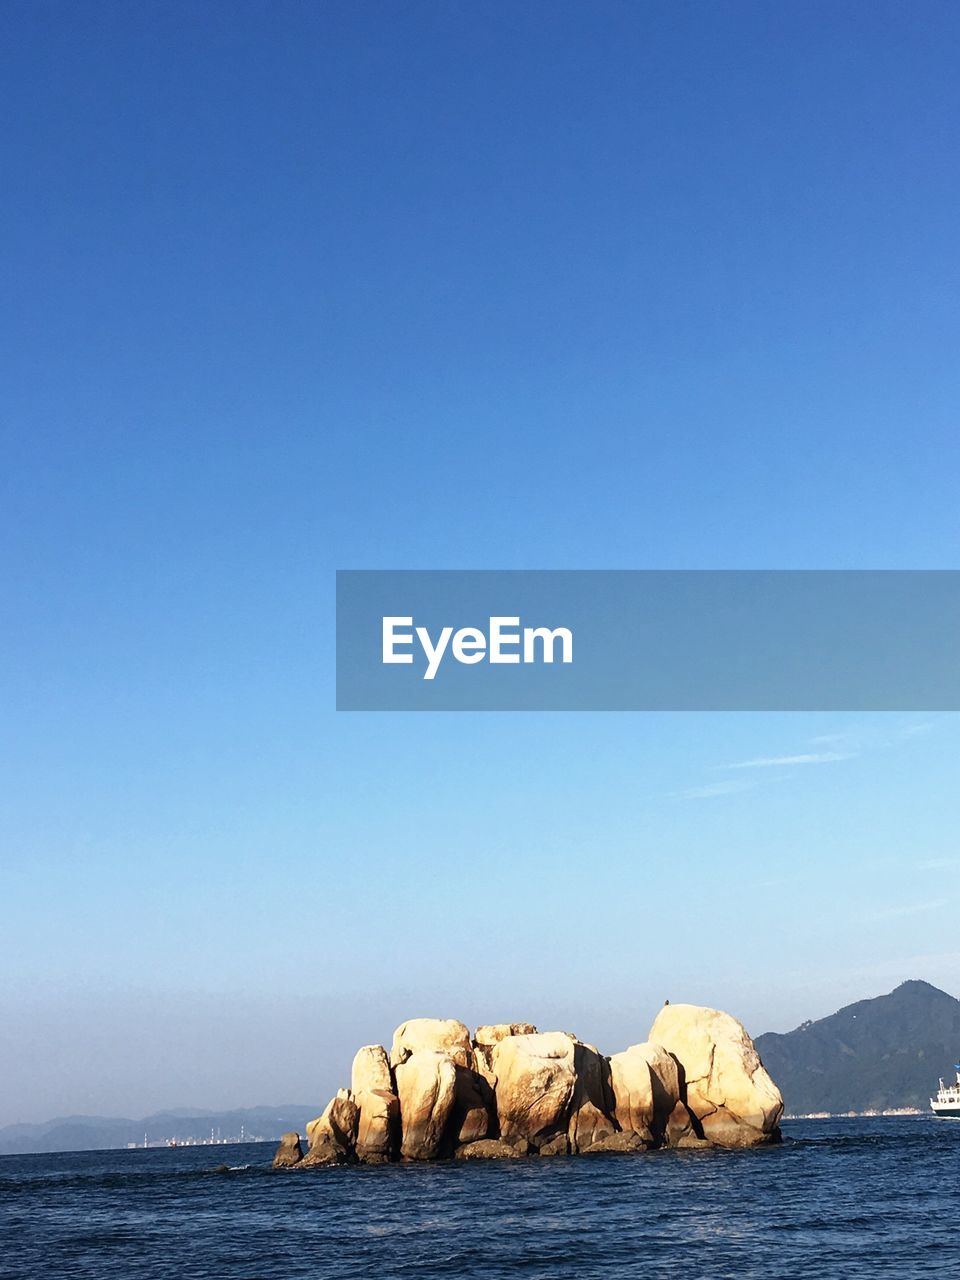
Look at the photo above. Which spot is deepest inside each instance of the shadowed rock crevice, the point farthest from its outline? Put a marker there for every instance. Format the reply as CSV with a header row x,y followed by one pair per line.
x,y
510,1091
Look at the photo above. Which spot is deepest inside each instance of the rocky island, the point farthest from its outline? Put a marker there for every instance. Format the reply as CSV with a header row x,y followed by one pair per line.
x,y
511,1091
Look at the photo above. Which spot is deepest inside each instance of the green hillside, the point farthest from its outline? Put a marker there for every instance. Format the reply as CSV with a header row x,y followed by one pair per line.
x,y
875,1054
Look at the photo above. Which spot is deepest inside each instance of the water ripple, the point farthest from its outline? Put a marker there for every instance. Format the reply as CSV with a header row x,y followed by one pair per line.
x,y
853,1198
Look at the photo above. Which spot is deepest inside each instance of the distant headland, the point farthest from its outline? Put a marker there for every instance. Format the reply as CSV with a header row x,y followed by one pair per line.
x,y
510,1090
877,1056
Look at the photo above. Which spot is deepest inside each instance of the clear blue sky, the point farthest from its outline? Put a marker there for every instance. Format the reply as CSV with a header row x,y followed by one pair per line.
x,y
295,287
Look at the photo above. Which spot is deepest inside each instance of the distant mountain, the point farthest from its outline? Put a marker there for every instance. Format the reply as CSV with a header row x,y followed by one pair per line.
x,y
874,1055
97,1133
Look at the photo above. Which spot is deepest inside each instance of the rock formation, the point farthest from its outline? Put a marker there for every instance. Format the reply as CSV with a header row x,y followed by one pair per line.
x,y
370,1071
333,1135
426,1087
372,1087
489,1149
289,1151
512,1091
535,1079
475,1106
591,1107
730,1096
441,1035
378,1129
646,1089
487,1038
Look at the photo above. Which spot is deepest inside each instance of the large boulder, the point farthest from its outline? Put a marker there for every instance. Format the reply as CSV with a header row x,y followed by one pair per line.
x,y
289,1151
333,1134
730,1096
378,1126
488,1037
646,1089
371,1070
592,1103
436,1035
427,1088
338,1120
536,1077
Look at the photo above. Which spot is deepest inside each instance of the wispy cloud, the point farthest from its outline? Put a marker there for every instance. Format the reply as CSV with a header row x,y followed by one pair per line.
x,y
873,737
937,864
907,909
711,790
916,730
828,748
809,757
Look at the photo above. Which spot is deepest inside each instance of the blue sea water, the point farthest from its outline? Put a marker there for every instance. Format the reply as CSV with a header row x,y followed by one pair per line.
x,y
849,1197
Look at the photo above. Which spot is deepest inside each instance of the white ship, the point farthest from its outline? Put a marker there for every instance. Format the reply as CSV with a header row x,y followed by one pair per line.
x,y
947,1101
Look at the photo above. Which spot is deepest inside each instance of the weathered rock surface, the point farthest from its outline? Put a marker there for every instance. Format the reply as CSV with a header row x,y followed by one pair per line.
x,y
370,1071
488,1037
427,1089
591,1107
536,1076
378,1130
378,1126
623,1143
289,1152
332,1136
696,1082
730,1096
493,1033
556,1145
475,1106
439,1035
646,1089
324,1150
681,1130
489,1149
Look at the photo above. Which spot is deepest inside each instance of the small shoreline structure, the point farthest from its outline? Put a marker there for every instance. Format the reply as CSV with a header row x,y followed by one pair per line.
x,y
511,1091
871,1113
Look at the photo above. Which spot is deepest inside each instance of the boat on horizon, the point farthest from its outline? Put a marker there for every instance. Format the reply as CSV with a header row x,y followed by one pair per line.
x,y
947,1102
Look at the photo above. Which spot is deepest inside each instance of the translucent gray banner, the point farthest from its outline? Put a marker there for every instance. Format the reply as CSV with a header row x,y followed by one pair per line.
x,y
611,640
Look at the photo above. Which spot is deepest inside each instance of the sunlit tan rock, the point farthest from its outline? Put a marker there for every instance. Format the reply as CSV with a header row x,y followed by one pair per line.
x,y
378,1129
722,1080
437,1035
697,1081
536,1077
333,1134
378,1126
426,1087
646,1089
371,1070
487,1038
